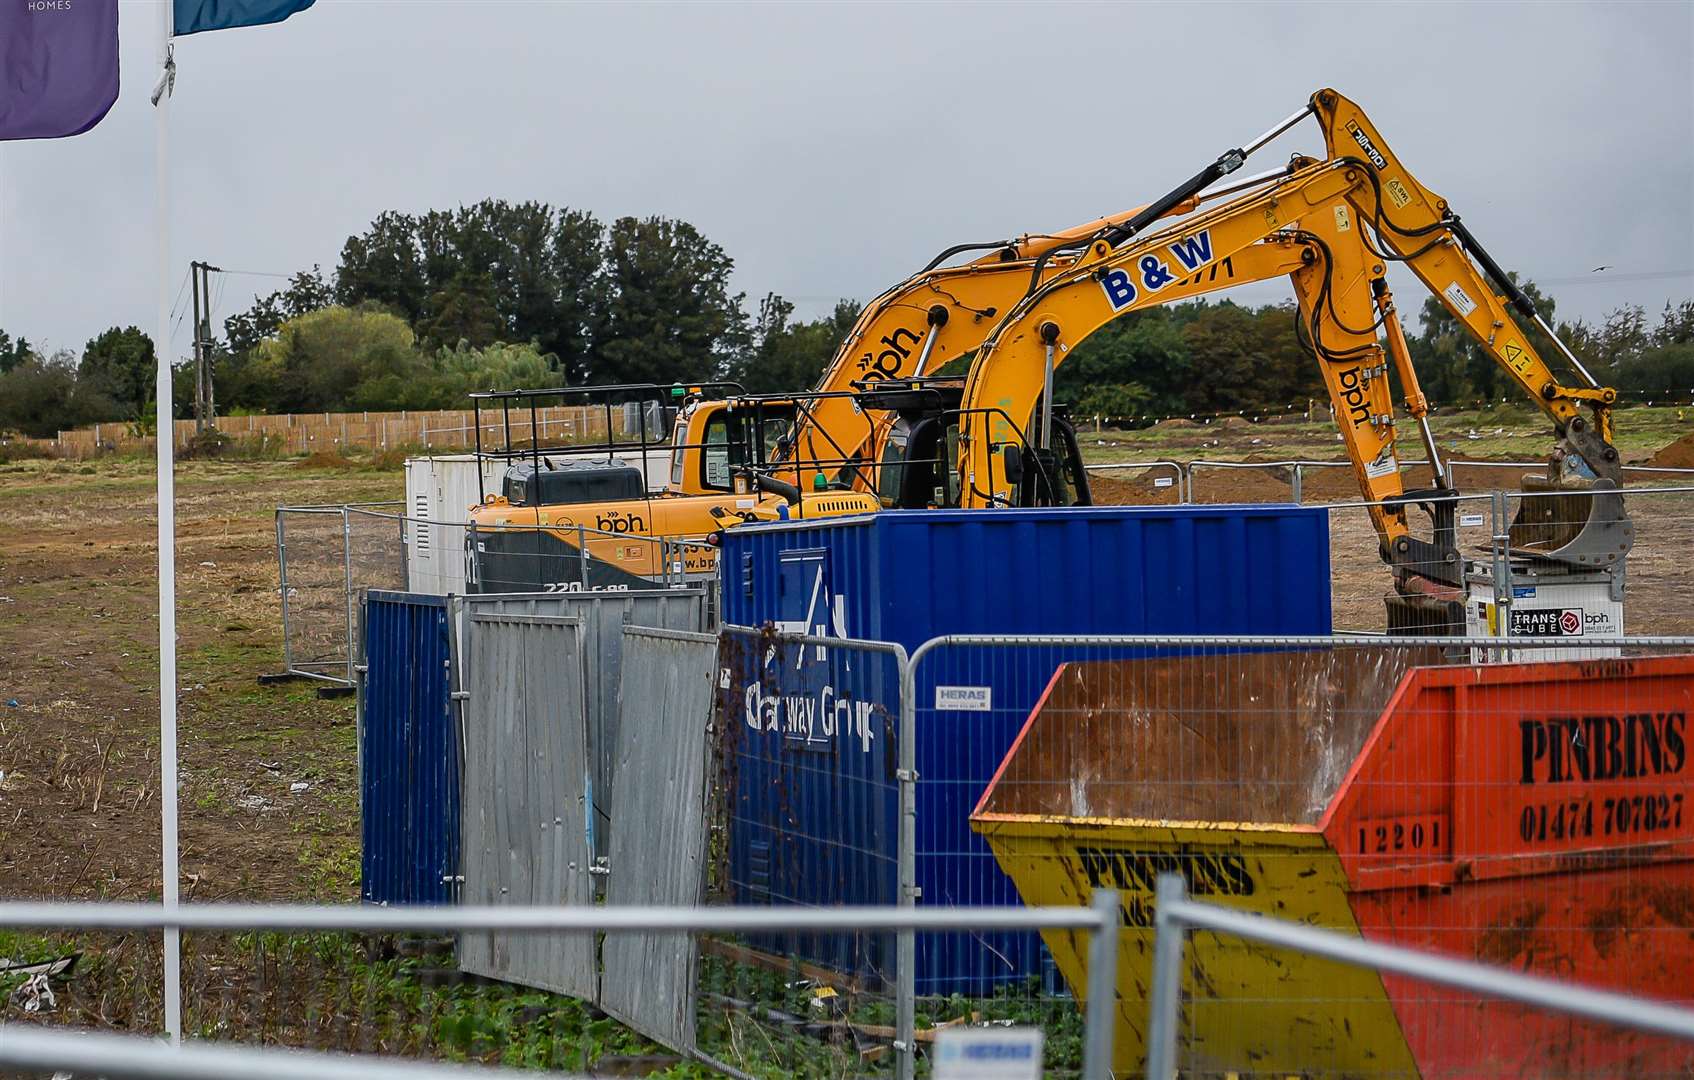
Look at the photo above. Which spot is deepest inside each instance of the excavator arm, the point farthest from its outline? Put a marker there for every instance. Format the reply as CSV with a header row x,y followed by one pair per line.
x,y
919,326
1252,235
1355,211
1576,515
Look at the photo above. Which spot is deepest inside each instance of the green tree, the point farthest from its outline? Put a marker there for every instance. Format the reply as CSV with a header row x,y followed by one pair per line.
x,y
385,264
791,356
119,366
318,361
306,291
667,314
465,311
1145,349
543,270
463,370
41,395
13,351
1645,363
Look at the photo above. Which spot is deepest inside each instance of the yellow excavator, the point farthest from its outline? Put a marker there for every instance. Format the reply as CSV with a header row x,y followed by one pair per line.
x,y
1348,215
1333,224
730,455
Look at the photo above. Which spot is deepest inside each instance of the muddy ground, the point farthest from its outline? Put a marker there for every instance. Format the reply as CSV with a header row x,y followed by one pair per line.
x,y
1659,591
79,699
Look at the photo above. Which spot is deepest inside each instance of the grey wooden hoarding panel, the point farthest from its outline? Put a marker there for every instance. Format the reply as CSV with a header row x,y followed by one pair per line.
x,y
658,851
525,836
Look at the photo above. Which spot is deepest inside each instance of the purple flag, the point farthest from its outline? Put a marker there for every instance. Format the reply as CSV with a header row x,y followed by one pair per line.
x,y
58,66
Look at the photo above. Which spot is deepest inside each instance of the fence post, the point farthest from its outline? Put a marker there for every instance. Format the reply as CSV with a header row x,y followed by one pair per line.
x,y
1168,935
906,951
582,556
1502,540
1101,1019
1297,481
347,565
282,587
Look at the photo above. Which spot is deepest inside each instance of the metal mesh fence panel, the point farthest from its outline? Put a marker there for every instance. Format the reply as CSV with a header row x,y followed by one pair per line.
x,y
312,578
805,780
1138,483
1524,806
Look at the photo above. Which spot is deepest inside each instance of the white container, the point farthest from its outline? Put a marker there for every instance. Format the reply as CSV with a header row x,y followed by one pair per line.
x,y
441,492
1546,603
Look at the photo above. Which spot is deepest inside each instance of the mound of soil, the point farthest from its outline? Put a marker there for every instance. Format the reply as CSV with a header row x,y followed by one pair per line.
x,y
324,459
1129,489
1678,455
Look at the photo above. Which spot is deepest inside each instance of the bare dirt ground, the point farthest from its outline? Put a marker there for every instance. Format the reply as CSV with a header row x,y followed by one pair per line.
x,y
1659,592
79,751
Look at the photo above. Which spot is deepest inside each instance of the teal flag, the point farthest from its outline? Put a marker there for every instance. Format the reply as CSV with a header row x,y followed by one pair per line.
x,y
193,16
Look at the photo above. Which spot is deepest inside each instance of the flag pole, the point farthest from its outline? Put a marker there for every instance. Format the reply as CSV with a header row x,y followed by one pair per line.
x,y
165,440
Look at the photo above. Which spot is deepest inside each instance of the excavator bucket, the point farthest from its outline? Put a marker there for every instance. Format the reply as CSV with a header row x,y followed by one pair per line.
x,y
1586,528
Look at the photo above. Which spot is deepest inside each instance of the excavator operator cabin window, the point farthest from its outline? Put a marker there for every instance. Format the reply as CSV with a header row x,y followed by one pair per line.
x,y
679,453
719,453
892,466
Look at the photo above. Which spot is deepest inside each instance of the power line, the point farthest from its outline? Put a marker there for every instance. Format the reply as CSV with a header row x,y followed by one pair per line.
x,y
257,273
1602,279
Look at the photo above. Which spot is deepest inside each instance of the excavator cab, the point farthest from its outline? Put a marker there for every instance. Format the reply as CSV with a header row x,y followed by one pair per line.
x,y
919,465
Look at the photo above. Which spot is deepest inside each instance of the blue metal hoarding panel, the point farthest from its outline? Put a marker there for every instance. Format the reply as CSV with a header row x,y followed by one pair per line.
x,y
409,747
908,576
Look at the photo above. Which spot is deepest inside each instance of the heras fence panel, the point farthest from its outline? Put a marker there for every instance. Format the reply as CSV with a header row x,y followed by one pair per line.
x,y
525,830
313,587
409,753
1529,814
604,616
807,763
658,853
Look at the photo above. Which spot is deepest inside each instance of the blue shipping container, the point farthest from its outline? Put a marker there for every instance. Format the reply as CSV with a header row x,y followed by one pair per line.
x,y
810,768
408,752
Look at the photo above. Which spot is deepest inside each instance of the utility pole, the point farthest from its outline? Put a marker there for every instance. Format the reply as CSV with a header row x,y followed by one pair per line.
x,y
205,400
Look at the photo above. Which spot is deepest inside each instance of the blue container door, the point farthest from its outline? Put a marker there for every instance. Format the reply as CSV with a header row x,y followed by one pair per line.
x,y
410,752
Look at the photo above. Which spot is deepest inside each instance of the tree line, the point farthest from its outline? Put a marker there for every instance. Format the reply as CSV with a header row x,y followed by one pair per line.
x,y
424,308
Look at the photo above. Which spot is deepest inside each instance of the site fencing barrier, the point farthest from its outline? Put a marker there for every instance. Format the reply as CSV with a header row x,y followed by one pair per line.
x,y
1373,786
306,433
1229,757
328,555
1370,785
1610,1016
1288,480
328,951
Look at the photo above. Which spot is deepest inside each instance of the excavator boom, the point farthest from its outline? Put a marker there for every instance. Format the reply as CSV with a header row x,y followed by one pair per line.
x,y
1350,214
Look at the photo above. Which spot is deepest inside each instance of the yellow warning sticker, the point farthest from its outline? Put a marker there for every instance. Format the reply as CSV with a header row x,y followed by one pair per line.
x,y
1516,356
1342,221
1397,193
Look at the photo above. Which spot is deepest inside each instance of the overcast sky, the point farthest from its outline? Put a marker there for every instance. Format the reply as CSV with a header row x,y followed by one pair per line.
x,y
832,149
